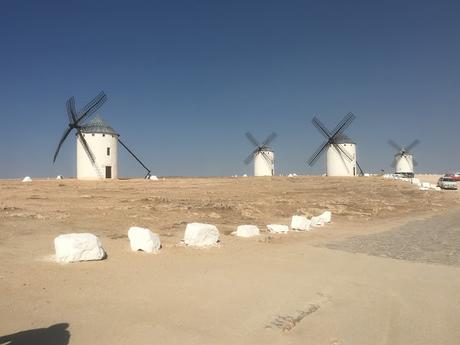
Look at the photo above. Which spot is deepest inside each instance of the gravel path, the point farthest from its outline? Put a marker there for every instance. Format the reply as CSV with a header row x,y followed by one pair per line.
x,y
433,240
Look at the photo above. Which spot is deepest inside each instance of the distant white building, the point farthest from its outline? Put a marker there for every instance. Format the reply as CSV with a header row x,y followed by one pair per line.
x,y
103,144
404,164
341,157
264,162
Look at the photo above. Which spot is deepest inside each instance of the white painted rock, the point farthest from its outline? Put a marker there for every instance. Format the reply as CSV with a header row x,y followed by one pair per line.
x,y
278,229
247,231
143,239
426,185
326,216
245,175
59,177
415,181
154,178
317,221
200,235
78,247
27,179
300,223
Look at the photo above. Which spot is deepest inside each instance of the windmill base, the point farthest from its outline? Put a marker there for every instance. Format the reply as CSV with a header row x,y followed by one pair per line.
x,y
405,174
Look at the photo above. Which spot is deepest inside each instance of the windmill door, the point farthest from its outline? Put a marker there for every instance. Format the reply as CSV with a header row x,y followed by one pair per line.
x,y
108,172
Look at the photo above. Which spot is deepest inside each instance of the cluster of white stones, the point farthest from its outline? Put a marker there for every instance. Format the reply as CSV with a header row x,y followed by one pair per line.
x,y
415,181
298,223
302,223
77,247
87,247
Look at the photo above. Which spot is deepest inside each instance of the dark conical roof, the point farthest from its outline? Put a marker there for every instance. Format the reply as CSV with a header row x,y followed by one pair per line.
x,y
343,139
97,125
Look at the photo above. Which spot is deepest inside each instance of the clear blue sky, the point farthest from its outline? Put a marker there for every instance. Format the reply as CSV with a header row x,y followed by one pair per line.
x,y
187,79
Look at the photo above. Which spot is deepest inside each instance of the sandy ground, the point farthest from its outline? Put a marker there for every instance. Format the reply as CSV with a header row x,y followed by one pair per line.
x,y
387,271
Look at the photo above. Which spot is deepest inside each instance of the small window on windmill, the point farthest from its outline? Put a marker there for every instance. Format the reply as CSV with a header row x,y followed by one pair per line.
x,y
93,134
108,151
103,135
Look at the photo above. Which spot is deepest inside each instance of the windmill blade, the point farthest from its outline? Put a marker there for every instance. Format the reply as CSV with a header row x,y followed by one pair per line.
x,y
360,169
250,158
321,127
345,118
86,147
412,145
132,154
252,139
393,164
269,139
71,111
314,157
344,152
414,162
345,123
395,146
92,106
64,136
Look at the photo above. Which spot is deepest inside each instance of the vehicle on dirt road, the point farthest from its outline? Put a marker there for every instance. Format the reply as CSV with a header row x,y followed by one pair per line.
x,y
447,182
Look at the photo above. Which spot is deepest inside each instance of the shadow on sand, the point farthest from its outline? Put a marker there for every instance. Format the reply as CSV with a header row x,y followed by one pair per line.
x,y
53,335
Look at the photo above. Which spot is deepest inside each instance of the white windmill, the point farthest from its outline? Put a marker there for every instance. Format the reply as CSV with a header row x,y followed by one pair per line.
x,y
404,161
340,149
263,156
97,142
102,141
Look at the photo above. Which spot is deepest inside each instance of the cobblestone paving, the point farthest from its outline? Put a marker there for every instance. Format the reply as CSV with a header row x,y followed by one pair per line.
x,y
434,240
